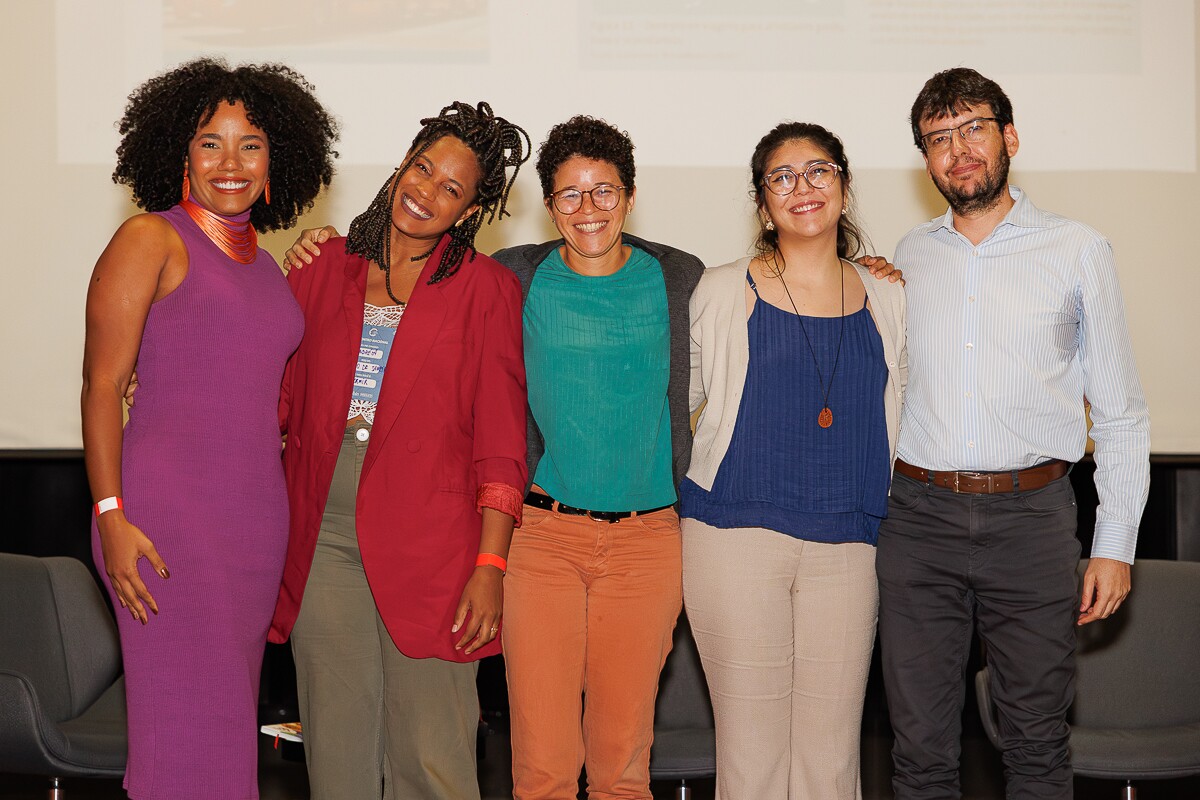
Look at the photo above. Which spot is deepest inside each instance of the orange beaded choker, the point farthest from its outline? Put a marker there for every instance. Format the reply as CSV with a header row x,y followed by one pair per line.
x,y
238,240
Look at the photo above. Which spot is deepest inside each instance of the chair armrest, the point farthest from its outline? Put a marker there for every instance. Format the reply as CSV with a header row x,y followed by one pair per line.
x,y
26,737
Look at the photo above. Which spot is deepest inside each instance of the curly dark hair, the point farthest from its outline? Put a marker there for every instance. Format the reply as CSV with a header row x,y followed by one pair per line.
x,y
587,137
497,144
951,92
162,116
850,238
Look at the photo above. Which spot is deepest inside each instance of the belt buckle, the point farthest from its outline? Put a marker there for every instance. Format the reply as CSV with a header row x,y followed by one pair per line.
x,y
974,476
603,516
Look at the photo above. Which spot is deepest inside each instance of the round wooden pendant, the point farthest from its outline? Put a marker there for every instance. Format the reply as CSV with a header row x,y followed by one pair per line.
x,y
826,417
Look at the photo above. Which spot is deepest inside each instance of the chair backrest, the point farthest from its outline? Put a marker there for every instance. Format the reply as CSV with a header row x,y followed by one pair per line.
x,y
683,701
1141,667
56,631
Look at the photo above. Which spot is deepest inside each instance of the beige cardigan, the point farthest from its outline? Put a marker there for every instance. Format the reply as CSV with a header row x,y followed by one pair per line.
x,y
721,354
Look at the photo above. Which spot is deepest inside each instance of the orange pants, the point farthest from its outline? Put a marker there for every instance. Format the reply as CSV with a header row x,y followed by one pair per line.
x,y
589,608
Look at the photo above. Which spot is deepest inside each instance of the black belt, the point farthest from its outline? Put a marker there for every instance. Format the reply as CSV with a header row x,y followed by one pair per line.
x,y
539,500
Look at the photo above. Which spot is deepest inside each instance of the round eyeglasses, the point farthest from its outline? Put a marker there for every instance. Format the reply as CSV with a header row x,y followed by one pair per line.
x,y
818,175
604,196
973,131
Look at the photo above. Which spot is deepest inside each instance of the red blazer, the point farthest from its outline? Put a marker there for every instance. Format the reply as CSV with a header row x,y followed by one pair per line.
x,y
451,417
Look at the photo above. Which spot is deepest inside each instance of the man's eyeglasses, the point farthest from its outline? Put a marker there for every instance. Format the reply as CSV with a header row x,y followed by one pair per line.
x,y
972,131
604,196
819,175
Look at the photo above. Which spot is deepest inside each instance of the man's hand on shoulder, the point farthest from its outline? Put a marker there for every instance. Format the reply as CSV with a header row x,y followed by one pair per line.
x,y
880,268
1105,586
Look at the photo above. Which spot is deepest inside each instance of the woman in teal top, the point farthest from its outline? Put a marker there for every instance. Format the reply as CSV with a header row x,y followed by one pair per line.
x,y
601,343
593,586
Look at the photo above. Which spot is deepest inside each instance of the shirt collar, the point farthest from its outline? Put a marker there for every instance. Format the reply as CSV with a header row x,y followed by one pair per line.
x,y
1023,214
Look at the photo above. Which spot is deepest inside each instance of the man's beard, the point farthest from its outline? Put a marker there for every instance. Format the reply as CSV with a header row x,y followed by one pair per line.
x,y
985,195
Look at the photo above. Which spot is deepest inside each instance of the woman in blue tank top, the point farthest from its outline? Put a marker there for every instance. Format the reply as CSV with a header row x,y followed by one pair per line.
x,y
798,362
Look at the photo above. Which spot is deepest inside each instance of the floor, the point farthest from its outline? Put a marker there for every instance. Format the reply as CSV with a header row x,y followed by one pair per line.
x,y
282,776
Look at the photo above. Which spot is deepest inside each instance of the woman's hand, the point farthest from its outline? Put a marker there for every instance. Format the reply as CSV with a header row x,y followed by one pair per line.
x,y
122,543
306,246
131,389
483,597
881,268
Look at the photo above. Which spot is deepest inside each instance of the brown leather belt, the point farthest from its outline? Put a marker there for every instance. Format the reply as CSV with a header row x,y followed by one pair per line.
x,y
1016,480
540,500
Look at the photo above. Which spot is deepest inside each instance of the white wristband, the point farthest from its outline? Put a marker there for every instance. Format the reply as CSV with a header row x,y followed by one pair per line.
x,y
108,504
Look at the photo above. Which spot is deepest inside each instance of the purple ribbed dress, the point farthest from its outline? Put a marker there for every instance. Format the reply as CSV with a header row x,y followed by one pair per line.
x,y
202,477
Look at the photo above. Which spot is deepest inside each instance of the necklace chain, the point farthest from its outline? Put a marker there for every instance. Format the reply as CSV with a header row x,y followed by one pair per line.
x,y
238,240
825,418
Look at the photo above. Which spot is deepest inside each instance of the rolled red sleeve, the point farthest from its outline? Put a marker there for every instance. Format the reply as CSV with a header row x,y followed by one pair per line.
x,y
503,498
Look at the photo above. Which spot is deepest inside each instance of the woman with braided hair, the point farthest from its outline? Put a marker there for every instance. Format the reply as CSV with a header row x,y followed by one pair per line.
x,y
194,482
594,589
404,409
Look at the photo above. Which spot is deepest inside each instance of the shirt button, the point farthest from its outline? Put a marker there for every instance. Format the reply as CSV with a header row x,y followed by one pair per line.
x,y
362,434
971,298
970,444
970,346
968,395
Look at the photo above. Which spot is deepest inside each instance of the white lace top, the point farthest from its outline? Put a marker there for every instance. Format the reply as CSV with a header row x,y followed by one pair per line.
x,y
383,317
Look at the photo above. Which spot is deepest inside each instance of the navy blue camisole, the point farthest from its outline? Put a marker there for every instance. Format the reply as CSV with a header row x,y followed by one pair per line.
x,y
782,470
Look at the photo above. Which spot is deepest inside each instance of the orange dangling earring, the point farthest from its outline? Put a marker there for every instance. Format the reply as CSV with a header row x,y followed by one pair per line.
x,y
187,186
267,192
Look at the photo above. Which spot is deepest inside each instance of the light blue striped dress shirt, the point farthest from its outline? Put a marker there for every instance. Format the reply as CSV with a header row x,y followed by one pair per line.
x,y
1005,339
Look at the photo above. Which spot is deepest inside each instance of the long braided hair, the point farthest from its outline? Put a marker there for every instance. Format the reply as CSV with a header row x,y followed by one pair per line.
x,y
497,145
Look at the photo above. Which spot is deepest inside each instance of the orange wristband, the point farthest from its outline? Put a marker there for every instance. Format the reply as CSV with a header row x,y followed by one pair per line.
x,y
492,560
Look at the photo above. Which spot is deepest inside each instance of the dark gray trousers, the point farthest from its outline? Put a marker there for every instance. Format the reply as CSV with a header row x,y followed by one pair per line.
x,y
1005,565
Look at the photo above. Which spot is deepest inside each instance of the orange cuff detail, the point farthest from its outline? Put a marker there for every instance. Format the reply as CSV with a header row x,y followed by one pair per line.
x,y
502,498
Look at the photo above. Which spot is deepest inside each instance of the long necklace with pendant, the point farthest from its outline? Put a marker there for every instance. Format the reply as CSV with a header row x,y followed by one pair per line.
x,y
825,418
238,240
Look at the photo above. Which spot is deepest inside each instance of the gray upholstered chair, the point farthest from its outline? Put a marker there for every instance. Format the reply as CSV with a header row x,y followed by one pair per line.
x,y
62,692
1137,694
684,741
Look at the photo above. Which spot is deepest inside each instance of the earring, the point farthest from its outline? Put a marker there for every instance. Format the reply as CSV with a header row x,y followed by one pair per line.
x,y
267,193
844,211
769,225
187,186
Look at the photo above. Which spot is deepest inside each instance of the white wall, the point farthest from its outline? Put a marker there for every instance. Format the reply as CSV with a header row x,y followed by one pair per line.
x,y
1105,104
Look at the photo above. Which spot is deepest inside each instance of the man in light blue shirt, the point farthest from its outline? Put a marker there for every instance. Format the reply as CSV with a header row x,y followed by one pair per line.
x,y
1015,323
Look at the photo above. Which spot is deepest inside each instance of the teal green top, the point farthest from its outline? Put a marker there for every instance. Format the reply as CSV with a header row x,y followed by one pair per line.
x,y
597,360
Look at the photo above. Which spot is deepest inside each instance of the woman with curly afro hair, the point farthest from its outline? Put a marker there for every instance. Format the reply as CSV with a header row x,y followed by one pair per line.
x,y
405,414
194,480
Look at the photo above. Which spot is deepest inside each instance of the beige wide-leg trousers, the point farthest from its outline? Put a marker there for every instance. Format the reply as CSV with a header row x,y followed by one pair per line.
x,y
785,629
